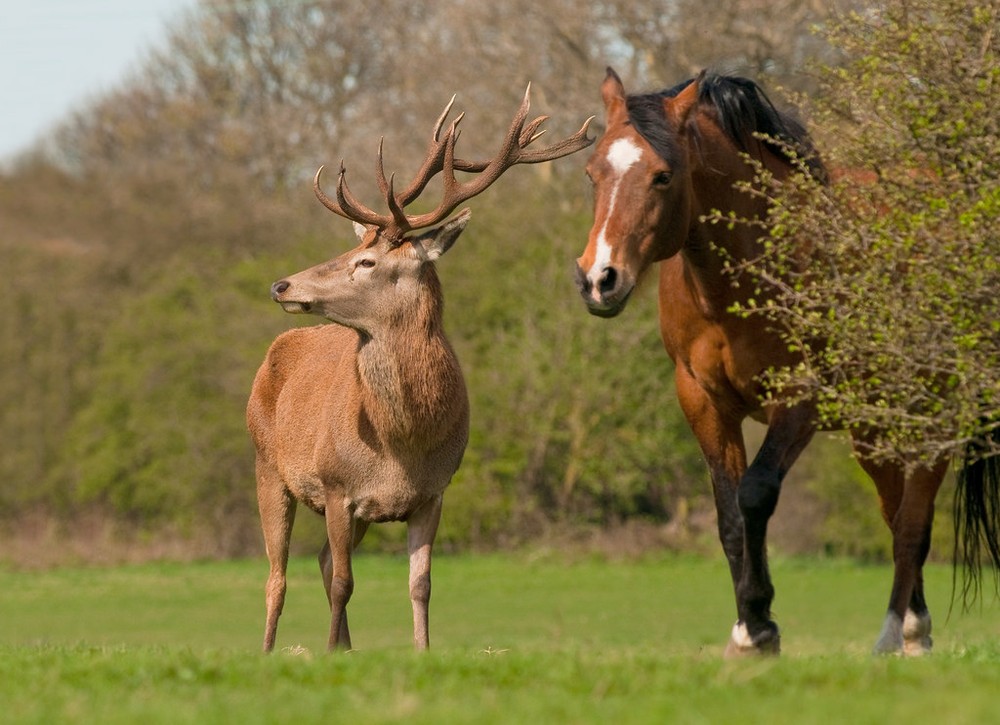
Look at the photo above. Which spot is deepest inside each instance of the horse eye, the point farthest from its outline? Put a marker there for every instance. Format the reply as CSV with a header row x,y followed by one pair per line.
x,y
662,179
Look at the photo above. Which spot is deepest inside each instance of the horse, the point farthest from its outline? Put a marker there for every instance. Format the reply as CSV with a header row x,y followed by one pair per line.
x,y
665,160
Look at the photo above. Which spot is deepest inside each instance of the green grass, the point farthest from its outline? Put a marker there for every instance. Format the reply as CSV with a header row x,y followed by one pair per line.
x,y
514,639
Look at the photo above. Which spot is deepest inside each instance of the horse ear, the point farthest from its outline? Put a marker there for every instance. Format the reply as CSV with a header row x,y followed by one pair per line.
x,y
613,93
680,106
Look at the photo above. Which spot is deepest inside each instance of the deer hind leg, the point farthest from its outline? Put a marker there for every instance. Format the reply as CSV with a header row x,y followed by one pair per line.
x,y
326,561
421,528
340,530
277,514
326,570
907,504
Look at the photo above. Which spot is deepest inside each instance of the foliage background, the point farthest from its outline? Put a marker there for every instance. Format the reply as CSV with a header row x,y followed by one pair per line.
x,y
140,239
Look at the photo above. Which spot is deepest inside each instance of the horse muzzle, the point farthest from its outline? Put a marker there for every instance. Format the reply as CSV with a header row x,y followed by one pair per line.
x,y
606,291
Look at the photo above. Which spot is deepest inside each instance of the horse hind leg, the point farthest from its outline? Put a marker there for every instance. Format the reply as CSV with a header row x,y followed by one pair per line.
x,y
907,503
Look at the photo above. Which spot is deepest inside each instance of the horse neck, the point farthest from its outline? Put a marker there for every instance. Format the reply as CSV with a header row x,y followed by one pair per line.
x,y
410,381
710,248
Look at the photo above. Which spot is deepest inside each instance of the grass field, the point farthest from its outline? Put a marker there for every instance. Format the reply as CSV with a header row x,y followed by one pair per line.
x,y
514,639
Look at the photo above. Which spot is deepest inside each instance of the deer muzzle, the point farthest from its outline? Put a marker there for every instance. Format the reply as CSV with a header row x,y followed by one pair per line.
x,y
278,292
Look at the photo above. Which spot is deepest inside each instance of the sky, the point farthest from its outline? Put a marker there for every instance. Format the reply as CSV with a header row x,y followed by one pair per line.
x,y
55,54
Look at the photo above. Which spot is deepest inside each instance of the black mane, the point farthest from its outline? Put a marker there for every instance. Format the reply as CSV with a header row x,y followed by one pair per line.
x,y
743,111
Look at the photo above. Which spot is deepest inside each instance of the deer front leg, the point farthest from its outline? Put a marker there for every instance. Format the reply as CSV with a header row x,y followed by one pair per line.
x,y
421,529
277,514
340,535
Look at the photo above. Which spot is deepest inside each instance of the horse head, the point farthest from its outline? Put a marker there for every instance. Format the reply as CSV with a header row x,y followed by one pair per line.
x,y
641,173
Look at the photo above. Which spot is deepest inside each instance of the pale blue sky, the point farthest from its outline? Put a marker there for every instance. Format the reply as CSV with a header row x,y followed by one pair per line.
x,y
54,54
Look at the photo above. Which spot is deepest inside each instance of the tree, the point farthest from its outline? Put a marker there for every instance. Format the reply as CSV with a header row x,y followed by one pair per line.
x,y
768,40
150,228
897,310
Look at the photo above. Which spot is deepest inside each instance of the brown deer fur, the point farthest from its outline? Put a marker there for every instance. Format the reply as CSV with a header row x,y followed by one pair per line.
x,y
367,420
362,423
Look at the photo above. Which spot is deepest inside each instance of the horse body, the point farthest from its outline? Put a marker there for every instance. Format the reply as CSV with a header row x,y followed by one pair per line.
x,y
665,161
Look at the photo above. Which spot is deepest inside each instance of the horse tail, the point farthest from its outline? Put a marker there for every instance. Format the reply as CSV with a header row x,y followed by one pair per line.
x,y
977,514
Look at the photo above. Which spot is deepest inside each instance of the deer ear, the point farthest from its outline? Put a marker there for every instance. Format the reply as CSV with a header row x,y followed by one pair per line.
x,y
437,241
613,94
361,230
680,106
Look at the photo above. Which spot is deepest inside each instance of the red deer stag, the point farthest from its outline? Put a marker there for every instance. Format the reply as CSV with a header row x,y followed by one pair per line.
x,y
367,420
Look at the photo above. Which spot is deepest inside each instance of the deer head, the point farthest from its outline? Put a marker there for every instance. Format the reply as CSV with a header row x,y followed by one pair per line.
x,y
369,285
375,284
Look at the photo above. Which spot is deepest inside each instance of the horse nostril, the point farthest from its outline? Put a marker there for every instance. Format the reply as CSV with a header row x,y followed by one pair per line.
x,y
279,287
582,281
608,280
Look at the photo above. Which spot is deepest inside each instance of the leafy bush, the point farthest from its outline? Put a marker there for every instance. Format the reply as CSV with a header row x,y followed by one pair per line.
x,y
901,282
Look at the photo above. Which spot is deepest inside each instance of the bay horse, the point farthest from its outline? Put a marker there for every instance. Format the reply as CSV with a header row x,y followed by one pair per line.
x,y
665,160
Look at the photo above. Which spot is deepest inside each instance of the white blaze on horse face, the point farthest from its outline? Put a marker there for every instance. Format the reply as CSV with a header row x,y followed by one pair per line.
x,y
622,156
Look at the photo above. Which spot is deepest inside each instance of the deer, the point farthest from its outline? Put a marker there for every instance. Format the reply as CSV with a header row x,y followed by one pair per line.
x,y
366,420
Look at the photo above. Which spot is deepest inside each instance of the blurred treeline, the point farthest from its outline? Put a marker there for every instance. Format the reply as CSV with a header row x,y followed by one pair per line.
x,y
140,238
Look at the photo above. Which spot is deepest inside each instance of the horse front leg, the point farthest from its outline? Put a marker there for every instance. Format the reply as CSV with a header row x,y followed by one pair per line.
x,y
721,439
789,431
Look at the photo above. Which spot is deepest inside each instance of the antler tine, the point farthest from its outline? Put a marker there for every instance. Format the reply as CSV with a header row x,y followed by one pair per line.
x,y
567,146
528,135
513,138
321,195
399,221
346,205
443,116
434,161
380,169
356,211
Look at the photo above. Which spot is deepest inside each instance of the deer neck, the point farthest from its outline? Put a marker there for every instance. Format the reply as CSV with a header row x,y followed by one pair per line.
x,y
411,383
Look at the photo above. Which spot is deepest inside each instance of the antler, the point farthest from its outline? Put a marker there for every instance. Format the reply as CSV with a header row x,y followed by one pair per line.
x,y
441,158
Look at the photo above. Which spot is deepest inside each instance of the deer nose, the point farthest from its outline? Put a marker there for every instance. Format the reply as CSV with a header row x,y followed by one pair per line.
x,y
279,287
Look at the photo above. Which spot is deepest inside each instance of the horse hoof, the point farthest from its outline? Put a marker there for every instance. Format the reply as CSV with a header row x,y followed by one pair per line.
x,y
917,647
917,639
742,644
890,639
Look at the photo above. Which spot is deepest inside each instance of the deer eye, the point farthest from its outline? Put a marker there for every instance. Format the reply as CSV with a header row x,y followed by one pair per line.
x,y
367,262
662,178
